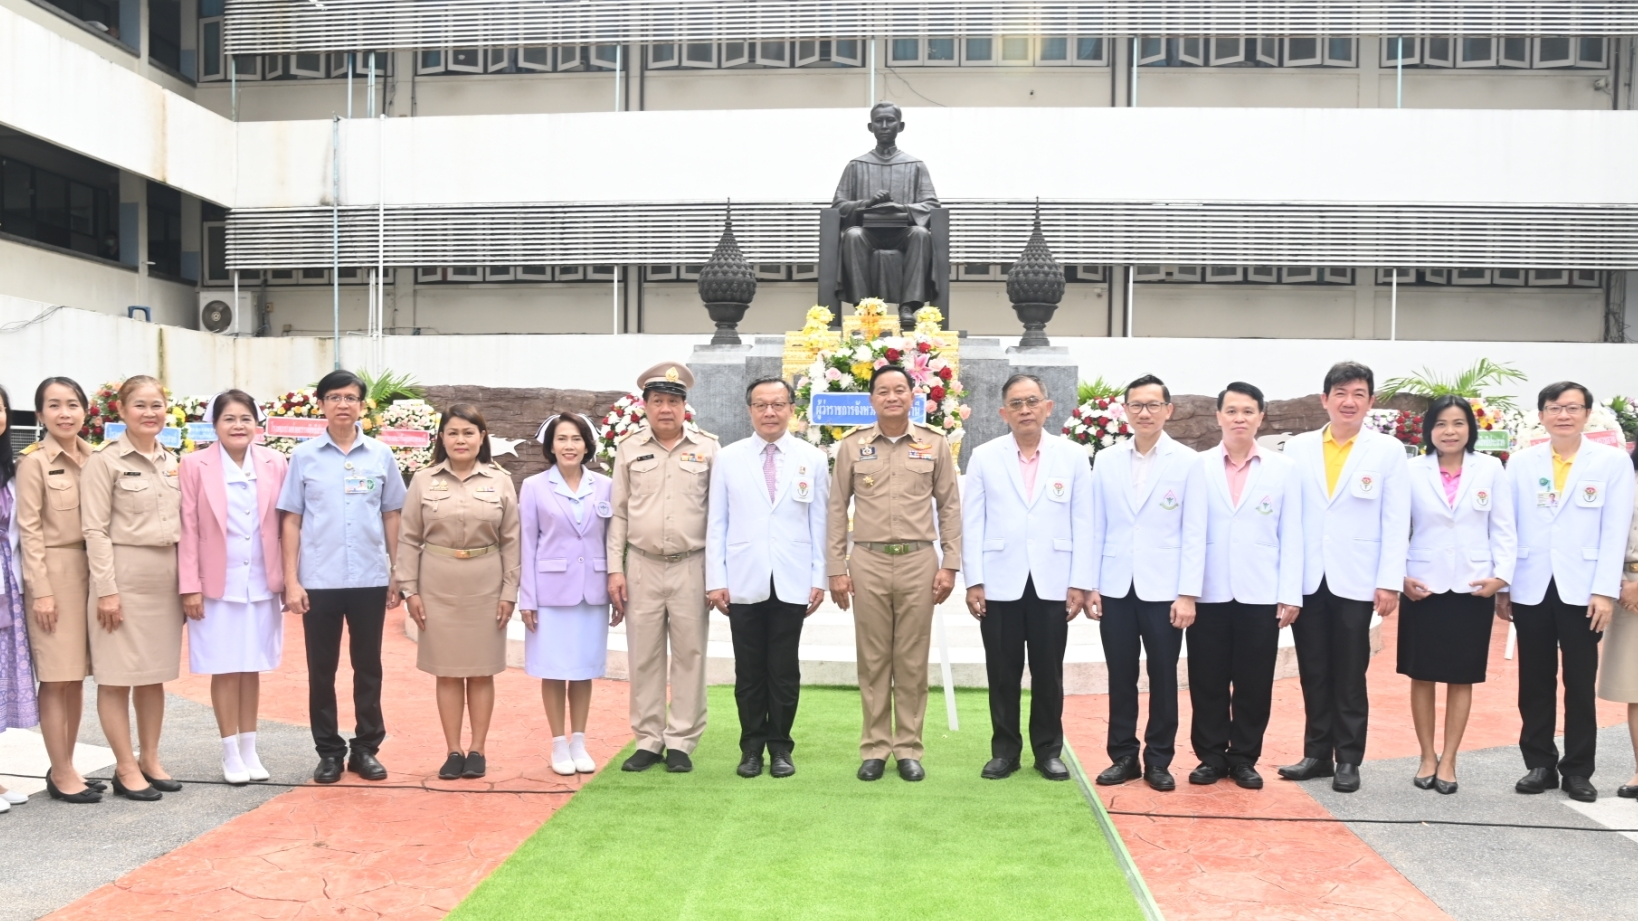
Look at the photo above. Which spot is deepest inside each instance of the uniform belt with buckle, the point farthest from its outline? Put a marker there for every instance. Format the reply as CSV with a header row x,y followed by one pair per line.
x,y
460,554
896,549
78,546
665,557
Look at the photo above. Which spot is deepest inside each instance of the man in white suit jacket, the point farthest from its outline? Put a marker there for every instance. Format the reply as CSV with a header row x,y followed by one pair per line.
x,y
1026,513
1253,587
1574,504
1356,528
765,568
1149,525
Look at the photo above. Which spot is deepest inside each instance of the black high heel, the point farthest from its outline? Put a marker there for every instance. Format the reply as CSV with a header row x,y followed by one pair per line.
x,y
144,795
87,795
164,786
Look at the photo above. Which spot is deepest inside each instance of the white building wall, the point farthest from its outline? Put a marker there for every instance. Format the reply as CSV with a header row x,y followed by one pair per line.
x,y
39,273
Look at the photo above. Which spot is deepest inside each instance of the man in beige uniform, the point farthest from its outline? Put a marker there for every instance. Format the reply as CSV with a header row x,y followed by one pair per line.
x,y
895,472
656,544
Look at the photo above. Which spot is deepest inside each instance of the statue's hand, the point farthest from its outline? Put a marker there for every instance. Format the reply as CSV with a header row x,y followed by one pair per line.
x,y
880,197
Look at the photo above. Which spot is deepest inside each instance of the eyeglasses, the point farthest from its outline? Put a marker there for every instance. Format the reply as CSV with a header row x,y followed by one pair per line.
x,y
1565,409
341,399
1141,408
776,407
1031,402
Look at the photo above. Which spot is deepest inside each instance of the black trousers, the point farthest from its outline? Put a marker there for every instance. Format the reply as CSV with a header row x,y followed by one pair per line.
x,y
1232,652
1546,631
363,610
767,671
1128,623
1009,628
1333,640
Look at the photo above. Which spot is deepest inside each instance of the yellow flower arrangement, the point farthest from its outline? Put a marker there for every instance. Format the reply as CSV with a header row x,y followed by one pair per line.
x,y
929,320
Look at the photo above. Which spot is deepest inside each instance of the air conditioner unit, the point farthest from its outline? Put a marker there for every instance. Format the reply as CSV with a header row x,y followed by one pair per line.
x,y
219,314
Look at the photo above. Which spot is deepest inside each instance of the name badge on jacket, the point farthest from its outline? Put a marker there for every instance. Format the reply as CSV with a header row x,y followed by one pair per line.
x,y
1590,494
360,485
1367,486
1481,500
604,510
802,490
1057,490
1546,498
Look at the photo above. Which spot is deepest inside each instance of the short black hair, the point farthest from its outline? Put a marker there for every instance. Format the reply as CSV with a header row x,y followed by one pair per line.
x,y
1346,372
790,392
884,104
1244,389
1436,408
1552,392
1020,378
1148,380
339,380
586,435
219,405
890,369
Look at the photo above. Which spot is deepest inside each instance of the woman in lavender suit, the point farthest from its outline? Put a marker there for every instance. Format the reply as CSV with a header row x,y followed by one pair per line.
x,y
563,594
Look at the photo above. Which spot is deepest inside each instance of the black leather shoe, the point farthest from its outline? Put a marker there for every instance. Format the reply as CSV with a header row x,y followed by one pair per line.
x,y
1580,789
999,768
97,785
749,766
1246,777
678,762
1347,778
145,795
363,764
1052,768
1160,779
910,769
1205,775
1446,787
87,795
476,766
1120,772
872,768
453,766
1539,780
1627,791
641,760
1423,783
1308,769
166,785
781,764
328,770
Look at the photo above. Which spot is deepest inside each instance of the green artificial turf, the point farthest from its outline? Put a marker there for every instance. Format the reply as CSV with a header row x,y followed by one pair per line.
x,y
818,846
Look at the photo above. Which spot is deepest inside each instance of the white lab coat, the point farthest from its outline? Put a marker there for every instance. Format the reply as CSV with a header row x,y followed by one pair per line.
x,y
1254,549
1453,547
1356,540
1582,543
1154,541
1009,537
749,540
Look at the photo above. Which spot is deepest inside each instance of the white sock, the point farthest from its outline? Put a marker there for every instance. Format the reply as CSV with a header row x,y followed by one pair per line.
x,y
247,750
560,749
231,762
577,746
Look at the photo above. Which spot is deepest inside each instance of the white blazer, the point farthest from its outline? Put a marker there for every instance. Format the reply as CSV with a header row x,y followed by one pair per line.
x,y
1009,537
749,540
1581,544
1452,547
1155,541
1355,540
1253,549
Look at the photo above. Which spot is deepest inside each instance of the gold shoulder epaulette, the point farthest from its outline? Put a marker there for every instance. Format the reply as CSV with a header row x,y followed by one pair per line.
x,y
622,438
31,448
710,435
101,446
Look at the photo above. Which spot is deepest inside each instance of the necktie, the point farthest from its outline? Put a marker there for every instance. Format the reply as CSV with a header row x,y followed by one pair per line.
x,y
768,468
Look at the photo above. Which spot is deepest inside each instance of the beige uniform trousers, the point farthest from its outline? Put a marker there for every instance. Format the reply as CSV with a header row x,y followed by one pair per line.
x,y
666,602
892,624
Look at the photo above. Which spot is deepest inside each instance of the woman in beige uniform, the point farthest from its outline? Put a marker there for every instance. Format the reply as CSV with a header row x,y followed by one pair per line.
x,y
1618,665
457,568
55,578
130,502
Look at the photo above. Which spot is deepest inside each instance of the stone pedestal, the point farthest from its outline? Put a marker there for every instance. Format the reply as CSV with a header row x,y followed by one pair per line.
x,y
721,374
986,365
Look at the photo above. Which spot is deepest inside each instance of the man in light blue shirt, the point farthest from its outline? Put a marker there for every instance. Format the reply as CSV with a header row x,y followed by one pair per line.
x,y
341,501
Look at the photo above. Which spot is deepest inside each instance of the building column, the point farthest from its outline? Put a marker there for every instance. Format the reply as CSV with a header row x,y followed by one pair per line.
x,y
1370,72
190,40
191,234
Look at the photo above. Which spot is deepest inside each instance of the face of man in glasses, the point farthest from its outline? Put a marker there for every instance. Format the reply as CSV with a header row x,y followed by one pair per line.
x,y
770,410
1566,414
1147,410
1025,410
343,405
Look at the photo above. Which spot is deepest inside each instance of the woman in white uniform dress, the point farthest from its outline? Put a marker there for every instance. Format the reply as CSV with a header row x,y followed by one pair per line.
x,y
563,591
231,573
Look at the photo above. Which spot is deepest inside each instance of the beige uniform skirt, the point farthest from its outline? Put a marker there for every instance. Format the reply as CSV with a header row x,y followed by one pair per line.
x,y
1618,661
147,646
461,639
63,654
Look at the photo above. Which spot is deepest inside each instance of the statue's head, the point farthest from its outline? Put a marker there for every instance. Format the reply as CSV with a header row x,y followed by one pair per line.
x,y
886,121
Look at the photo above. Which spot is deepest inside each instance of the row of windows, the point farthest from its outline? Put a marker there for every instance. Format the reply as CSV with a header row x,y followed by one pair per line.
x,y
40,205
1513,51
1337,275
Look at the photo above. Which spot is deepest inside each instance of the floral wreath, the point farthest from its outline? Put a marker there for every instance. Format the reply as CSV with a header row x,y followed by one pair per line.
x,y
1098,425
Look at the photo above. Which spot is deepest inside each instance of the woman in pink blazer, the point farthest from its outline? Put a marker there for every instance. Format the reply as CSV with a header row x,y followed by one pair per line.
x,y
563,586
232,573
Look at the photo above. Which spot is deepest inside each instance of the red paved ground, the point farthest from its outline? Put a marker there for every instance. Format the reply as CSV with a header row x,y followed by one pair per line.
x,y
389,851
1273,871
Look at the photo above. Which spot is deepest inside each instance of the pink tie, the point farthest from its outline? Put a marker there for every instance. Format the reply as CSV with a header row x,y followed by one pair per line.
x,y
768,468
